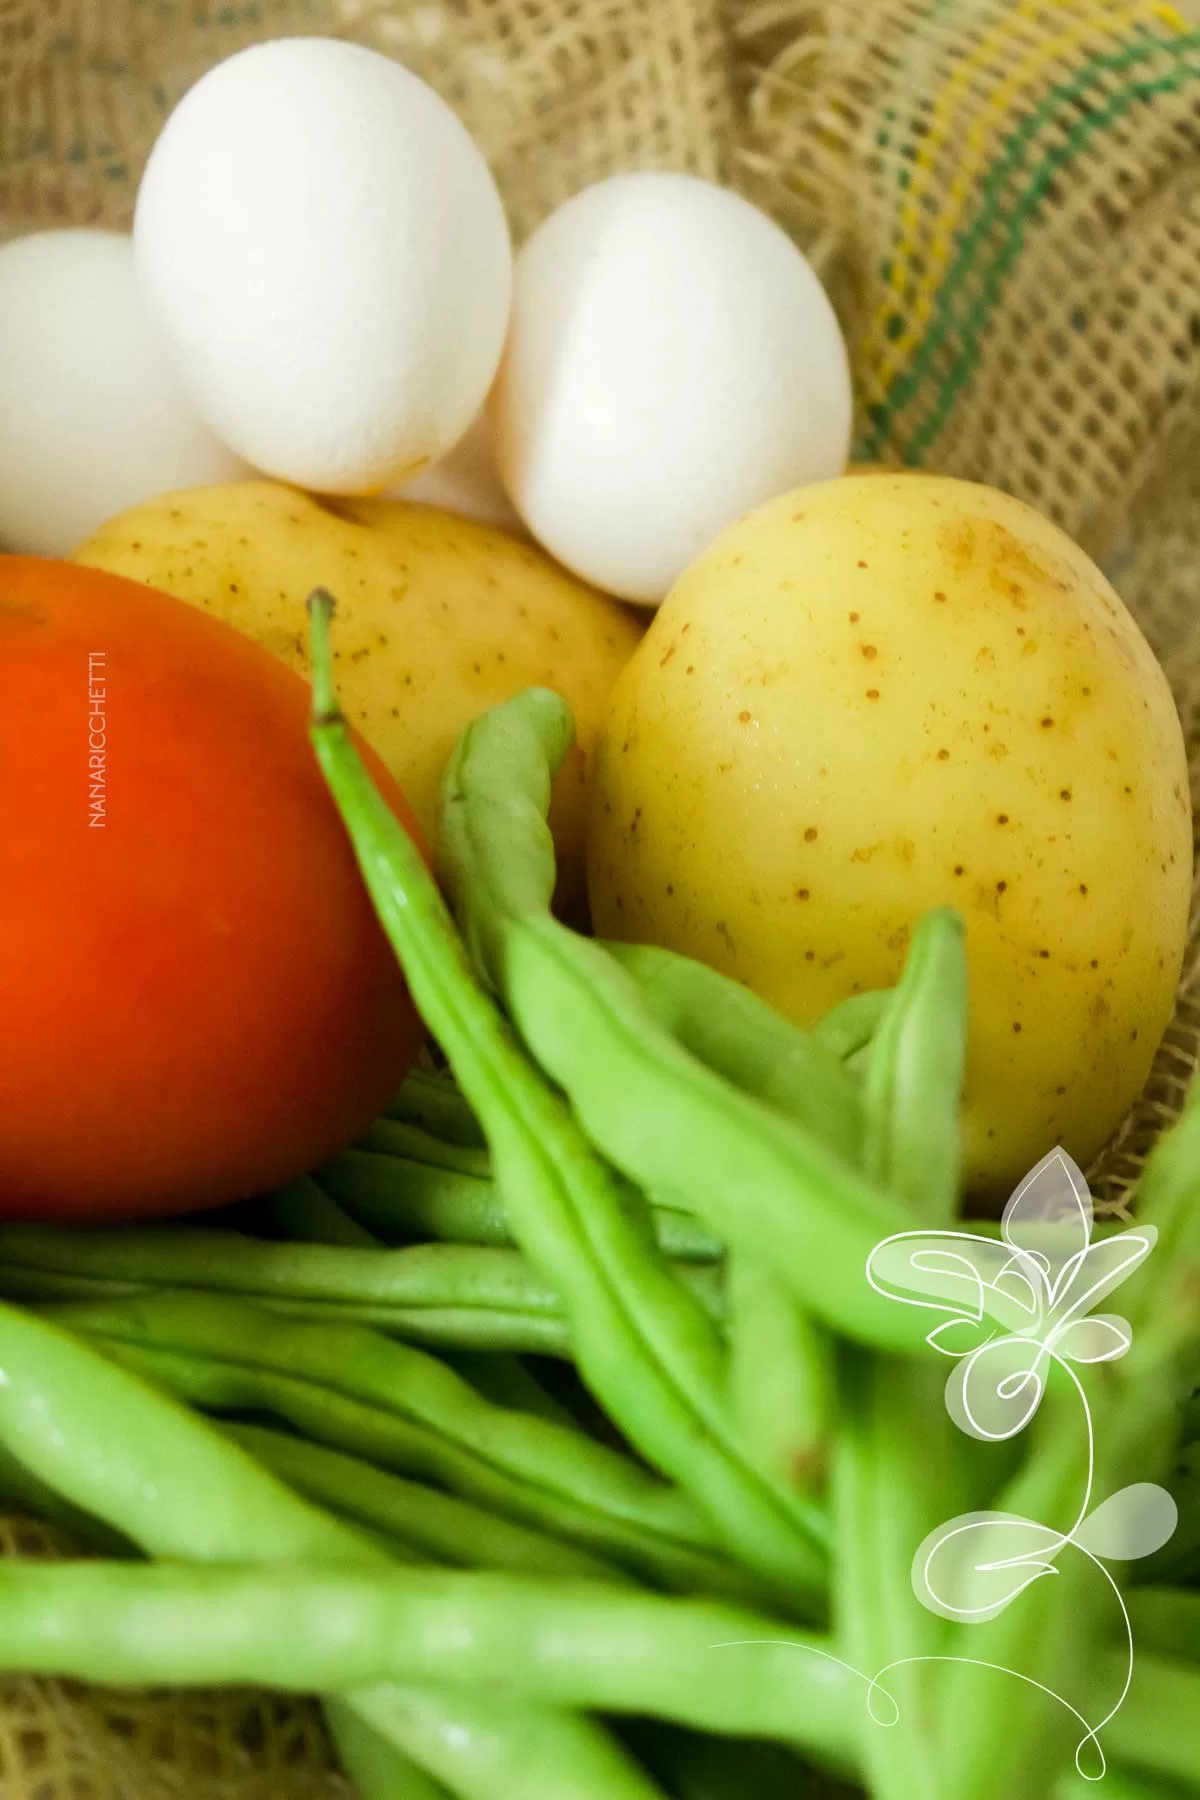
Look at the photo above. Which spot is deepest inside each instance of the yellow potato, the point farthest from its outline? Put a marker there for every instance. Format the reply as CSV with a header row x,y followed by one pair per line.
x,y
884,694
439,617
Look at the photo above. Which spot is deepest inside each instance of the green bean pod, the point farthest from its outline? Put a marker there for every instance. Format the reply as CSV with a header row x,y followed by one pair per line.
x,y
1157,1731
370,1762
1121,1784
1166,1620
1179,1559
894,1480
420,1275
576,1645
409,1201
406,1201
539,1329
438,1525
760,1181
695,1766
893,1418
305,1212
557,1467
848,1029
783,1378
507,1381
1054,1633
435,1105
377,1436
459,1295
914,1074
645,1345
146,1468
737,1035
312,1627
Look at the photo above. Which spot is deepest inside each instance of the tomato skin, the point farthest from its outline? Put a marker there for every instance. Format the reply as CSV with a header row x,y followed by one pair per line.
x,y
197,1002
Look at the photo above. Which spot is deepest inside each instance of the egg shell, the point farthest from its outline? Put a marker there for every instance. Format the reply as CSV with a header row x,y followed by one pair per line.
x,y
93,418
466,481
324,245
673,361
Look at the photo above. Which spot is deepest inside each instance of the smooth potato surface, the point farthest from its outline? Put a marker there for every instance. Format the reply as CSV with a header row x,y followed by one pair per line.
x,y
439,617
888,693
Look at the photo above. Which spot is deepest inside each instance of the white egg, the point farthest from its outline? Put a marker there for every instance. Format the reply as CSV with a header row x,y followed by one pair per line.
x,y
672,362
92,416
466,481
324,245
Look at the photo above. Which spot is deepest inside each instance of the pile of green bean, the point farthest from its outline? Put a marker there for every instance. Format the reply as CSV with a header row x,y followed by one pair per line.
x,y
554,1434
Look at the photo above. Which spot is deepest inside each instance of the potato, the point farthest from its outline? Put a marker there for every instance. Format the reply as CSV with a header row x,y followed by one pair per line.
x,y
889,693
439,617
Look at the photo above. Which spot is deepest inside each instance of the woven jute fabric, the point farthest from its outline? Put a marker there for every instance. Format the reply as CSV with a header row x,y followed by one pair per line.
x,y
1004,199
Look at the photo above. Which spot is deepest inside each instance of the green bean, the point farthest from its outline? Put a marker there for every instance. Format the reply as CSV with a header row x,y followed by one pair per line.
x,y
306,1212
422,1275
369,1367
890,1489
441,1527
148,1469
539,1754
911,1090
783,1381
429,1293
21,1492
370,1763
406,1201
782,1376
20,1283
1162,1308
695,1766
1059,1625
1179,1558
913,1080
330,1627
850,1026
1166,1620
1158,1728
415,1149
472,1325
435,1105
507,1381
737,1035
397,1406
761,1181
392,1137
645,1345
378,1436
1119,1784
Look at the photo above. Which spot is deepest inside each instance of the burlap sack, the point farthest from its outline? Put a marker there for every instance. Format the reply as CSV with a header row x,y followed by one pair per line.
x,y
1004,197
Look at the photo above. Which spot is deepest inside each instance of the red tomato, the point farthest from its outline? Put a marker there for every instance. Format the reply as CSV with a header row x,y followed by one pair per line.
x,y
196,1000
